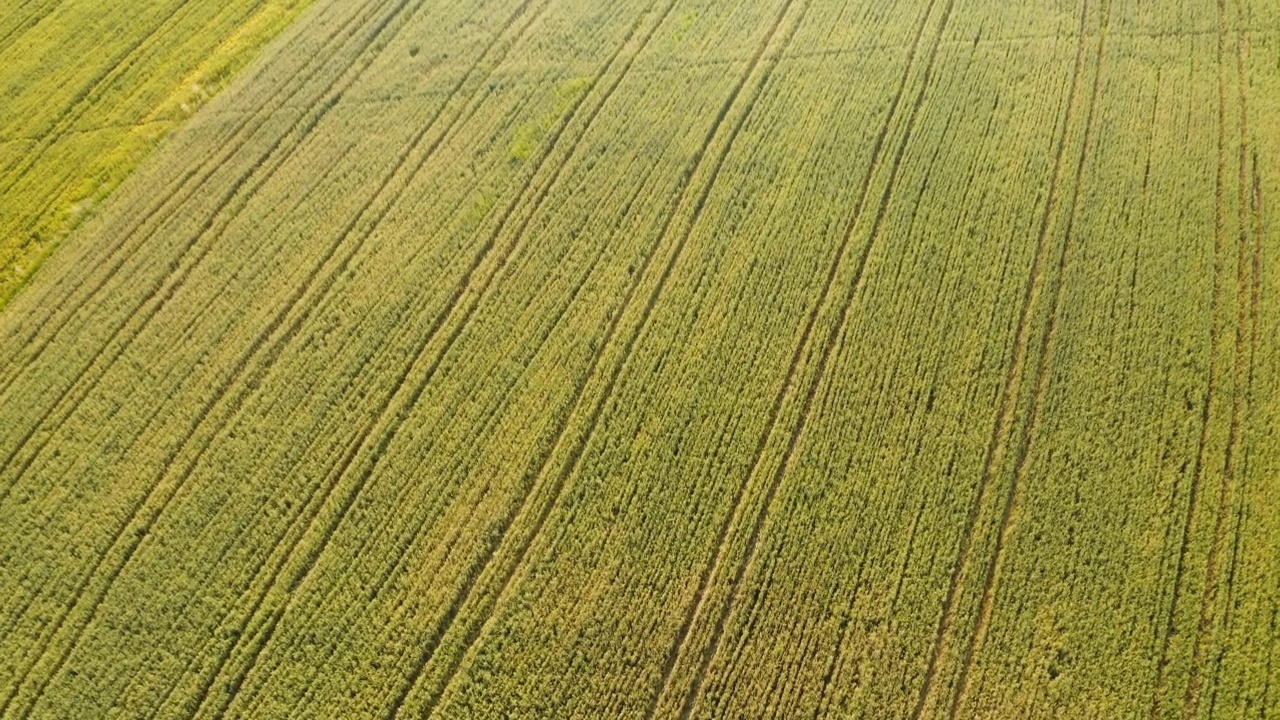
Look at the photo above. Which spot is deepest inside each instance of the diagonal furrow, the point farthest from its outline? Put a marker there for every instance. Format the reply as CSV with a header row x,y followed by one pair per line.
x,y
432,514
275,567
10,36
295,300
1002,427
162,291
733,519
363,439
135,538
1242,371
103,438
226,548
1215,333
317,437
913,531
60,314
735,587
330,37
157,483
82,101
429,517
310,285
1028,433
49,199
485,604
170,199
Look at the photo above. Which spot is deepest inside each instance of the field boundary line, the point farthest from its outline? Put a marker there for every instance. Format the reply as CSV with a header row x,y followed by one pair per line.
x,y
186,331
169,285
1002,426
301,128
200,419
240,365
104,253
4,493
50,200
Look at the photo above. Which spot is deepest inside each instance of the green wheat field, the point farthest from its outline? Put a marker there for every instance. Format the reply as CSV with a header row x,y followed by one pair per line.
x,y
640,359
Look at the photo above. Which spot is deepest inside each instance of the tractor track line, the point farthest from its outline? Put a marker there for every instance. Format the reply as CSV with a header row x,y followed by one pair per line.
x,y
937,362
299,320
160,295
141,532
84,99
912,535
1242,370
1023,450
402,384
201,419
317,436
824,695
695,608
100,440
348,458
330,36
173,204
493,418
212,164
1223,648
919,512
1001,428
1215,332
827,353
437,510
50,200
466,592
80,388
19,29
